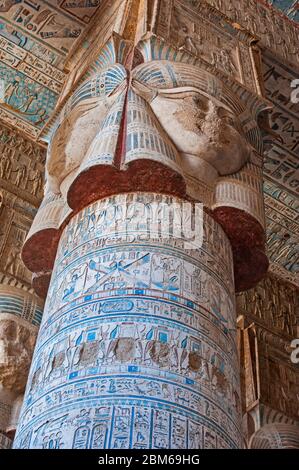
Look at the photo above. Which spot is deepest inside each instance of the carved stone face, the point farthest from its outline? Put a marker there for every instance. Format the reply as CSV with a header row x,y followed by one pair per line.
x,y
73,138
202,128
16,348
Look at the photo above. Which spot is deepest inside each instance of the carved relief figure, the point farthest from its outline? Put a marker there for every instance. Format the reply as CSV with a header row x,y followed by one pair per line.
x,y
37,182
222,59
5,163
186,37
21,174
12,89
14,259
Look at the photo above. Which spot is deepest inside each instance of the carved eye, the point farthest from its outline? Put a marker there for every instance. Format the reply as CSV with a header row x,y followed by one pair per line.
x,y
226,116
200,103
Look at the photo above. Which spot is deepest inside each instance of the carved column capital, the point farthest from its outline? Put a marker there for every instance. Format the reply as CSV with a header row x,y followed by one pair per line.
x,y
17,340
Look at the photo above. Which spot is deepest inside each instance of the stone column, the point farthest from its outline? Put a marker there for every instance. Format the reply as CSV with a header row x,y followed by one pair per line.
x,y
137,348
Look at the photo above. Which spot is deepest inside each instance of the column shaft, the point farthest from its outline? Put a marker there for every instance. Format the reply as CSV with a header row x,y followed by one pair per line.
x,y
137,347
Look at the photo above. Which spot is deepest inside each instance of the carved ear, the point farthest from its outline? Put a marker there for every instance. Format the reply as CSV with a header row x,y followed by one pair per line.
x,y
52,184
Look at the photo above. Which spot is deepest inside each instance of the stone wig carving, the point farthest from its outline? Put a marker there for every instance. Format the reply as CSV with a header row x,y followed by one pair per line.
x,y
80,123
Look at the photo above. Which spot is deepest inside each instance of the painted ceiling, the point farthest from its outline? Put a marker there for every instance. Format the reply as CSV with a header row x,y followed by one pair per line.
x,y
36,37
289,8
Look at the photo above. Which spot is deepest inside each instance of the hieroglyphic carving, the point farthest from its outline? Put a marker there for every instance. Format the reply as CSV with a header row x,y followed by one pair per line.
x,y
279,383
273,307
81,9
196,28
25,98
288,8
30,65
167,326
281,171
282,166
21,177
43,22
274,31
283,244
270,380
21,165
283,118
272,304
285,275
35,38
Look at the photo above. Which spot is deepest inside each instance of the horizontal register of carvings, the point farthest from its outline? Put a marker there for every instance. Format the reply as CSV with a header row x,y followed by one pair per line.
x,y
21,181
272,28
